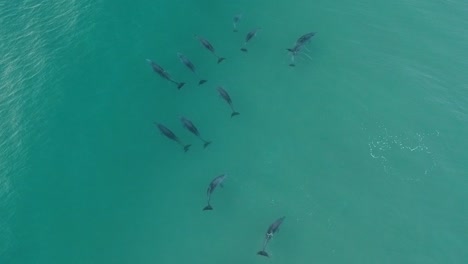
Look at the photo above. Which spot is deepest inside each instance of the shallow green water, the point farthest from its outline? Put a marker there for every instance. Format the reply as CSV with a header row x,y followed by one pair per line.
x,y
362,146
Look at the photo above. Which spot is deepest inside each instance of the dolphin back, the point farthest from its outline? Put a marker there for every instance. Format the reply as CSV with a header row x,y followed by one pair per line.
x,y
275,226
166,131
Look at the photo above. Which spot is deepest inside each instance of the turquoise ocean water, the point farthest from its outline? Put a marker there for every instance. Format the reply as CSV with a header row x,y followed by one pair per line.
x,y
362,145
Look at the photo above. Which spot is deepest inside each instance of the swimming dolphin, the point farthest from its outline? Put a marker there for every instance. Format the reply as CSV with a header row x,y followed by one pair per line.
x,y
209,47
269,234
227,98
301,42
248,37
218,181
163,73
236,21
169,134
189,65
192,128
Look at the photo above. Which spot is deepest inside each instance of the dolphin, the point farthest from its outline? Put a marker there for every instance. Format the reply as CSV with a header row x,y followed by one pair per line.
x,y
209,47
272,229
193,129
227,98
189,65
301,42
218,181
163,73
169,134
235,21
248,37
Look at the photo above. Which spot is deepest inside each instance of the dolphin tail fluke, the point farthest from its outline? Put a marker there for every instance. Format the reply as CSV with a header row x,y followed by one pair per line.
x,y
202,82
220,59
206,144
186,147
263,253
244,49
233,114
208,208
179,85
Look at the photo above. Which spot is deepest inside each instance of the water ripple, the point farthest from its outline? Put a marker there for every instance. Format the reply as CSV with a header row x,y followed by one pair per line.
x,y
34,35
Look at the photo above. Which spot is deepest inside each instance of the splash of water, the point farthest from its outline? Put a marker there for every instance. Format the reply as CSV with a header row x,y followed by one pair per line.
x,y
385,146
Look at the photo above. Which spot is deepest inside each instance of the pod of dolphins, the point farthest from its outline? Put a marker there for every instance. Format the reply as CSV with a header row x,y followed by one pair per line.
x,y
297,49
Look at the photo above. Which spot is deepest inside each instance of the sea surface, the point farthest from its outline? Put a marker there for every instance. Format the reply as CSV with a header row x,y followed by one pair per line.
x,y
362,145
